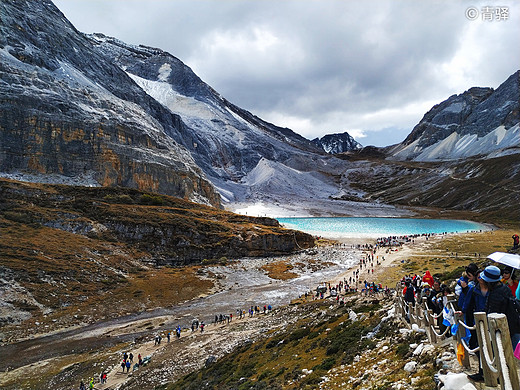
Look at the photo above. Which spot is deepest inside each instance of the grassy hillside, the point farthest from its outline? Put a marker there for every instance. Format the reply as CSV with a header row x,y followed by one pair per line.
x,y
72,255
485,189
326,345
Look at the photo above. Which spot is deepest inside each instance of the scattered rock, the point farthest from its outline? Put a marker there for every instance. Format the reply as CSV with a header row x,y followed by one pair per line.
x,y
418,349
410,366
210,360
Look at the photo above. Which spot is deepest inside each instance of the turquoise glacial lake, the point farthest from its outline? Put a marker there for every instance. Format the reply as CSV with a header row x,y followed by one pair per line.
x,y
346,227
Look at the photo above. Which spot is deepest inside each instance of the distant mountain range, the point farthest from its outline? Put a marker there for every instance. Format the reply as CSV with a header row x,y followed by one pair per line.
x,y
92,110
480,121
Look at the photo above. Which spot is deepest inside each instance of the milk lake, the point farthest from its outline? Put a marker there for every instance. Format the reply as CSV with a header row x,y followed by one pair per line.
x,y
378,227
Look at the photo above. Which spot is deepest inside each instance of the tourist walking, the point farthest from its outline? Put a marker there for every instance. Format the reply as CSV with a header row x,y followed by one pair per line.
x,y
501,300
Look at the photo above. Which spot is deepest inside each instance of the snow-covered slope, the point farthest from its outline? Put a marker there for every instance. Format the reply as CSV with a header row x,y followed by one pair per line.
x,y
227,142
455,146
481,121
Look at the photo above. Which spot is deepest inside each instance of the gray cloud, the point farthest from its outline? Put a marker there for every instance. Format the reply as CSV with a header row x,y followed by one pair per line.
x,y
372,68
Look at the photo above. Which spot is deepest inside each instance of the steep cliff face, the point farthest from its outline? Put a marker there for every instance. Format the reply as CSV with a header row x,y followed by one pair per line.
x,y
164,229
479,121
66,110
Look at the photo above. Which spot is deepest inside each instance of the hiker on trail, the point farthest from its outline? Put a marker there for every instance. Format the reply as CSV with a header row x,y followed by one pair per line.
x,y
508,279
91,384
168,336
516,241
178,331
201,326
131,357
425,290
409,292
125,356
128,365
501,300
140,360
476,303
435,302
428,278
123,365
467,283
82,386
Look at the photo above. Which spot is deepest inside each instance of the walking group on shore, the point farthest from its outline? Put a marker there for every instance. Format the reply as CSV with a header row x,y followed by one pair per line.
x,y
489,290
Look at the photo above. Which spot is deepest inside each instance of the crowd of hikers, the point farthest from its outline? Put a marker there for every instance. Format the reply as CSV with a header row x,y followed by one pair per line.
x,y
489,290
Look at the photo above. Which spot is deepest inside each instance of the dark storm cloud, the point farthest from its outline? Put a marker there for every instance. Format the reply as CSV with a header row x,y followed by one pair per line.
x,y
372,68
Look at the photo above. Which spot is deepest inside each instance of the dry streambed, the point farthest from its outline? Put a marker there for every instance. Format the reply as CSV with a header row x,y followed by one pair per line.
x,y
241,284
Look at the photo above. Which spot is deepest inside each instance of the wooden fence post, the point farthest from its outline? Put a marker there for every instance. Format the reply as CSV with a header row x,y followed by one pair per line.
x,y
486,355
427,321
505,360
411,314
431,326
461,333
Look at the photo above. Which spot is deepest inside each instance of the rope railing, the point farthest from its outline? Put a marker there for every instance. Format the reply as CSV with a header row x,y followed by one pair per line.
x,y
503,364
440,334
494,344
490,363
467,348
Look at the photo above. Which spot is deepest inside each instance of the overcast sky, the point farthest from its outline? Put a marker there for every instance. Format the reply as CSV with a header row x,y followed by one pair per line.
x,y
372,68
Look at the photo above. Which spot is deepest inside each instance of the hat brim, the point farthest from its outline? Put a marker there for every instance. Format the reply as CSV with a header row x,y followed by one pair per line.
x,y
488,279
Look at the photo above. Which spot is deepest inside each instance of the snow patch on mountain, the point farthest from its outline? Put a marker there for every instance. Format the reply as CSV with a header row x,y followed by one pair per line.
x,y
203,116
164,71
457,146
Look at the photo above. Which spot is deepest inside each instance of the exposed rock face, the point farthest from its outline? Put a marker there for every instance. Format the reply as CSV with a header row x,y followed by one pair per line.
x,y
337,143
67,110
165,229
479,121
226,141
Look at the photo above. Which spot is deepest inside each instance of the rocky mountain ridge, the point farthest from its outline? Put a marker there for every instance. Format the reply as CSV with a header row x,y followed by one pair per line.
x,y
227,142
480,121
92,110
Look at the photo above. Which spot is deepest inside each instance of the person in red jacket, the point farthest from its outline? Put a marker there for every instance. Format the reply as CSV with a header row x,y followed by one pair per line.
x,y
428,278
508,280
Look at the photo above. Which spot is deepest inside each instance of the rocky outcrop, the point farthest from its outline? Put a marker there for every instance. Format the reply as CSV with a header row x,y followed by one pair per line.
x,y
169,231
66,110
337,143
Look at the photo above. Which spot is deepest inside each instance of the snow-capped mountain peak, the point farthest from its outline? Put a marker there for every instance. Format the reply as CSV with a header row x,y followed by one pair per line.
x,y
337,143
